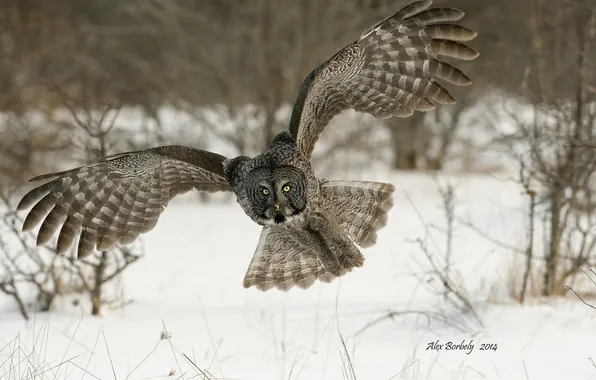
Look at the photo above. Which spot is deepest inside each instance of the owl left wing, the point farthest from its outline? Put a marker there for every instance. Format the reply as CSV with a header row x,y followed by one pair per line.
x,y
116,199
391,70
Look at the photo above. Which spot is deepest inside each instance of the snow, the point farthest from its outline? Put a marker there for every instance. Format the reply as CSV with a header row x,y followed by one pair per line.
x,y
190,284
188,291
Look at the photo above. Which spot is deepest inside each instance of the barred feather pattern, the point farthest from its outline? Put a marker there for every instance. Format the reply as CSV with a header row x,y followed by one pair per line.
x,y
115,200
393,69
289,256
361,207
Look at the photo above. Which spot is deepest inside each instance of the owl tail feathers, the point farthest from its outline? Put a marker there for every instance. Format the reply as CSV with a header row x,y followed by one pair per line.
x,y
361,207
286,258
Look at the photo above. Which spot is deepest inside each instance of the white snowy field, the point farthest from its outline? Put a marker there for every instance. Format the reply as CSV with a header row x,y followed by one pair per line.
x,y
190,283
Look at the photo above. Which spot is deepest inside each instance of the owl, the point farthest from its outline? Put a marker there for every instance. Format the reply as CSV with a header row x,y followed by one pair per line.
x,y
312,229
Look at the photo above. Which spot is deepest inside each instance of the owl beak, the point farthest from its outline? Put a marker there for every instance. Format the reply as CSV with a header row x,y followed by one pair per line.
x,y
276,207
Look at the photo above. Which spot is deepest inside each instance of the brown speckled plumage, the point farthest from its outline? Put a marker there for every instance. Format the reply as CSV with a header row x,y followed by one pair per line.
x,y
118,198
391,70
313,229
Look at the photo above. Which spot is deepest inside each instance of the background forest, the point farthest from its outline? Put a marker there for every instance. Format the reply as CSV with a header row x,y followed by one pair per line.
x,y
495,202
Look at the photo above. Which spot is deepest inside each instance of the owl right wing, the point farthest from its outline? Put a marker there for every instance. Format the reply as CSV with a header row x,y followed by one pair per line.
x,y
391,70
118,198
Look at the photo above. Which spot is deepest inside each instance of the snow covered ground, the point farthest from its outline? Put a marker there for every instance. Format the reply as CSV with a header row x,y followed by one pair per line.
x,y
190,284
187,296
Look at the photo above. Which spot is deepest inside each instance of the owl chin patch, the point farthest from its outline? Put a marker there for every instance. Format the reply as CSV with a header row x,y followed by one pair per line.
x,y
276,219
279,218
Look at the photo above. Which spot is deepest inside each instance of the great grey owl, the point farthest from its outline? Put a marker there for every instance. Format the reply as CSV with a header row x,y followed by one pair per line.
x,y
312,228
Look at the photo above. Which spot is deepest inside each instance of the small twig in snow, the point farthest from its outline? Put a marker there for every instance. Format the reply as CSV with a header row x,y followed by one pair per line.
x,y
580,298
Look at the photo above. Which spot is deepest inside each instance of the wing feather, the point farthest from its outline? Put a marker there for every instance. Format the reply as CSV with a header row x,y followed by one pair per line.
x,y
116,199
393,69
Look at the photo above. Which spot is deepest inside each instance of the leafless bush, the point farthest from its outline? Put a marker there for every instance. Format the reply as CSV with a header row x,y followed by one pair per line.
x,y
547,133
562,195
438,274
26,266
35,276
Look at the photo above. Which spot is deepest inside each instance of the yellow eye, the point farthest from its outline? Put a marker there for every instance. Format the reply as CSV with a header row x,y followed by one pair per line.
x,y
266,191
286,188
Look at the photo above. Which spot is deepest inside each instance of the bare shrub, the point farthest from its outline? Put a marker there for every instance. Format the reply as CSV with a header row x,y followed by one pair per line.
x,y
35,276
437,273
27,266
546,132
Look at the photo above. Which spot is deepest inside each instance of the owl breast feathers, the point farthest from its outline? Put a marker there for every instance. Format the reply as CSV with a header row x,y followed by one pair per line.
x,y
313,229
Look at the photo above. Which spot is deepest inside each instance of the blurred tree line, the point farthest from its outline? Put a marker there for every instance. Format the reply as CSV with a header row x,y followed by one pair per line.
x,y
190,53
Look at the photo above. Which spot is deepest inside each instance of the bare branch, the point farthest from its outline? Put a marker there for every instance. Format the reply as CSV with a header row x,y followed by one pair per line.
x,y
580,298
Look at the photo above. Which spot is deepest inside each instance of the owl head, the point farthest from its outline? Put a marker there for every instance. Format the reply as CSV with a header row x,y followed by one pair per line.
x,y
270,189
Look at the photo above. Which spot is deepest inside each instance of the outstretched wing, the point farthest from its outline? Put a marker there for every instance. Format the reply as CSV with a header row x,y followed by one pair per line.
x,y
391,70
118,198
